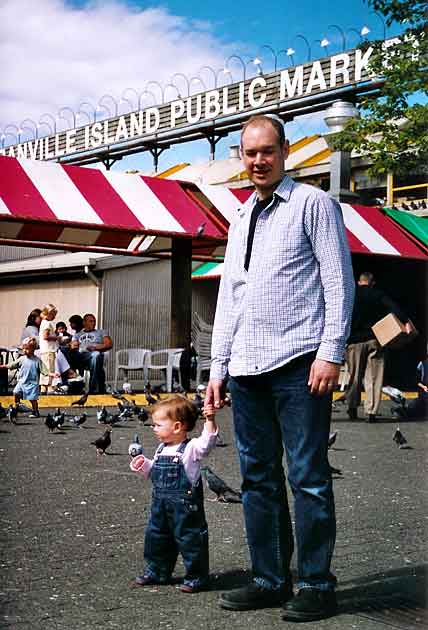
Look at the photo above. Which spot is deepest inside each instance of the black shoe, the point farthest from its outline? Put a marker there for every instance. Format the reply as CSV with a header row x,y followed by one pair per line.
x,y
254,596
371,418
310,604
352,413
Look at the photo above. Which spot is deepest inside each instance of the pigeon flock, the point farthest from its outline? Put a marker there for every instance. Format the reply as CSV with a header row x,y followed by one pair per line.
x,y
128,410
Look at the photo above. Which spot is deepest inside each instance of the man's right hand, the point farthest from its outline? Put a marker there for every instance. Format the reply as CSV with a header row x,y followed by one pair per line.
x,y
215,394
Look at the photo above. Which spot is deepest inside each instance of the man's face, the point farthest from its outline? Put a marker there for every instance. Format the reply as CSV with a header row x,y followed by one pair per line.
x,y
89,322
263,156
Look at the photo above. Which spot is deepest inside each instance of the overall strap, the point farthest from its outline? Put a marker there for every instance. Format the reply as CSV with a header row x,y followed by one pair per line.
x,y
183,446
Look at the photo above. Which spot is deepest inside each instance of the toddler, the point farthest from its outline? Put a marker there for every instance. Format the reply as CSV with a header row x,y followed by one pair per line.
x,y
177,522
30,368
48,342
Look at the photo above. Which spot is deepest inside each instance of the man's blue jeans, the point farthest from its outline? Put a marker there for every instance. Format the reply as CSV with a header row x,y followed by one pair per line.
x,y
94,362
271,410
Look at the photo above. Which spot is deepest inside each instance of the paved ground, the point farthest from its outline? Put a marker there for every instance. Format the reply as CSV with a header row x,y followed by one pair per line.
x,y
72,530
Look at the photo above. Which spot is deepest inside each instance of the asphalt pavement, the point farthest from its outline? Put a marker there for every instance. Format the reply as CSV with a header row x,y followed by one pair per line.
x,y
72,528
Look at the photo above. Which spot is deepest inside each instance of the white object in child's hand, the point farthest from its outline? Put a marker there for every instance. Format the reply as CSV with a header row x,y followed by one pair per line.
x,y
127,388
137,463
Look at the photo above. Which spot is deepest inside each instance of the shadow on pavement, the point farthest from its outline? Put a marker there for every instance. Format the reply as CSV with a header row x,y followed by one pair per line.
x,y
404,588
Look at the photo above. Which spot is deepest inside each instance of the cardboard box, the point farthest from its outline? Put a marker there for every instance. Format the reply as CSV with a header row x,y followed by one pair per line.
x,y
390,332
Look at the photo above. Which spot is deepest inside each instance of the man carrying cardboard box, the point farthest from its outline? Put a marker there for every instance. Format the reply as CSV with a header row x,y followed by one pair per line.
x,y
364,354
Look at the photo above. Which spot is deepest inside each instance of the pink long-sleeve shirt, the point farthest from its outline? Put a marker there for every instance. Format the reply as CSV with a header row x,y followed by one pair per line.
x,y
195,450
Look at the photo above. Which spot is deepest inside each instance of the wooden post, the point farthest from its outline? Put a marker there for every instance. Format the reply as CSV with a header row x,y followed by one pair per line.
x,y
181,302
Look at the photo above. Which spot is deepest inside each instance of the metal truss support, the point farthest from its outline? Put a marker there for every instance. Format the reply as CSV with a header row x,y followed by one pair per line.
x,y
213,139
108,161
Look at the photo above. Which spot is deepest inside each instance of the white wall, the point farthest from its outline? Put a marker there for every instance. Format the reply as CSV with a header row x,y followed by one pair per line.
x,y
16,301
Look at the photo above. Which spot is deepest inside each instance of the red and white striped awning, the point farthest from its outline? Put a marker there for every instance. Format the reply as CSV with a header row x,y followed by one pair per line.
x,y
369,231
45,202
71,207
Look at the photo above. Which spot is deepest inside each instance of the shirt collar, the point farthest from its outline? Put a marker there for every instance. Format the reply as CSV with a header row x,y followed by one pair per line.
x,y
283,190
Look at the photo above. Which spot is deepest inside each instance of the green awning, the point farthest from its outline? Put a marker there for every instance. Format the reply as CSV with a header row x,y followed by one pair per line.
x,y
418,226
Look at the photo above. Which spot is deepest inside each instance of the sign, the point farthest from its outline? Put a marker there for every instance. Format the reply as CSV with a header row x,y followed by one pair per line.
x,y
274,92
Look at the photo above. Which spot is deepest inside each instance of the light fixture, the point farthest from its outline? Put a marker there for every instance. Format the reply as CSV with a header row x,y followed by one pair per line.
x,y
290,51
324,42
365,30
257,61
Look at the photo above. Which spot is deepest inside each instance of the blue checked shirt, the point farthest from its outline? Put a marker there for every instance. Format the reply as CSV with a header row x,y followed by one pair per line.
x,y
298,292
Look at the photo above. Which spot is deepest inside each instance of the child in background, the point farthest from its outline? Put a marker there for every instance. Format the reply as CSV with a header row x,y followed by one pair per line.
x,y
177,523
30,368
63,337
48,343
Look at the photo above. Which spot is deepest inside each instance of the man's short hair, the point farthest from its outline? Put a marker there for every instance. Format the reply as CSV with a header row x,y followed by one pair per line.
x,y
367,276
262,119
76,319
86,315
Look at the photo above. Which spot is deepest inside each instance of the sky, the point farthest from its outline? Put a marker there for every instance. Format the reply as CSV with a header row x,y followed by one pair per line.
x,y
58,54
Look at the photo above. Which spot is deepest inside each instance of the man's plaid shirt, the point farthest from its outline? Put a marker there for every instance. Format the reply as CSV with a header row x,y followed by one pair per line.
x,y
298,292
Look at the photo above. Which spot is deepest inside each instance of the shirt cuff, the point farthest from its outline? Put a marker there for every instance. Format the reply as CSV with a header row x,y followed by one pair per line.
x,y
218,369
332,352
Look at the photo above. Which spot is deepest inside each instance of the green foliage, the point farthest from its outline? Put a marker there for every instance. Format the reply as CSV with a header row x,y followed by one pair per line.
x,y
393,128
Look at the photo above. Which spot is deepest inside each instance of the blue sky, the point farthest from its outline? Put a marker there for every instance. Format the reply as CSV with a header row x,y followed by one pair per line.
x,y
59,53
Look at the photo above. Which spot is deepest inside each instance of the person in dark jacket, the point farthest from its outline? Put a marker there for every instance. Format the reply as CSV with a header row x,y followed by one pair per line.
x,y
364,355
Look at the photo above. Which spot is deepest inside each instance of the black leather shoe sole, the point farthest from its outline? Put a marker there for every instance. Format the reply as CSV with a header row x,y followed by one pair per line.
x,y
294,615
254,605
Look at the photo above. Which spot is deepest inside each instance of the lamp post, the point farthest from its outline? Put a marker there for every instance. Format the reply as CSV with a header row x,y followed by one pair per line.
x,y
300,36
30,120
134,92
43,122
143,94
271,50
16,134
186,80
82,111
227,70
67,109
342,34
359,34
336,116
102,105
170,85
198,80
213,72
158,85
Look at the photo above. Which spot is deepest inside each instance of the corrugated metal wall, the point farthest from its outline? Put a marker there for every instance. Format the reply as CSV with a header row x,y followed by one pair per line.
x,y
136,307
21,253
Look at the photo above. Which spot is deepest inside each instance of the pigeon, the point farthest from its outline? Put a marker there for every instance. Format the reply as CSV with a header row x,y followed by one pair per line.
x,y
102,443
151,400
82,400
12,414
125,410
50,423
102,415
200,230
404,206
413,205
77,421
143,416
3,412
135,447
332,439
119,396
115,419
399,439
59,418
223,492
423,205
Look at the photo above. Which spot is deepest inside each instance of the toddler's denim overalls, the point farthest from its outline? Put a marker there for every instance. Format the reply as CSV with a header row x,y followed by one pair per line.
x,y
177,523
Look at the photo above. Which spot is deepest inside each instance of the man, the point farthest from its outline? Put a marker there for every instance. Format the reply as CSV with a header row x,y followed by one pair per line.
x,y
92,343
280,328
364,355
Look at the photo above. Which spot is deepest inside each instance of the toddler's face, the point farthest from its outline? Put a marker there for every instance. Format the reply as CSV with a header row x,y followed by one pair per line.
x,y
28,349
61,330
163,427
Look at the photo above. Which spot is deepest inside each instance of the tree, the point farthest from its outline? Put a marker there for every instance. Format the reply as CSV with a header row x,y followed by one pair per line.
x,y
393,128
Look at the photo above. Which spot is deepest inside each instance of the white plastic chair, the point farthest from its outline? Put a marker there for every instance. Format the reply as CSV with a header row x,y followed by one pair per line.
x,y
169,359
131,359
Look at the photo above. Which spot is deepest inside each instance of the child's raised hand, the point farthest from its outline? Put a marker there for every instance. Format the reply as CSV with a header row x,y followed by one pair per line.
x,y
209,412
137,463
